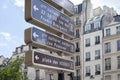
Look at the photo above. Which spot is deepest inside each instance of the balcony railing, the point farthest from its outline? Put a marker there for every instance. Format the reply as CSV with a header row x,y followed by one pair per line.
x,y
98,42
77,50
77,35
77,22
118,48
118,66
107,50
107,67
87,45
77,78
118,32
97,57
87,59
42,79
87,74
97,72
77,64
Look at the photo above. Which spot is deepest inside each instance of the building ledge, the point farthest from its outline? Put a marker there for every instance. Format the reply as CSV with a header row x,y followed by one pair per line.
x,y
112,54
111,37
111,71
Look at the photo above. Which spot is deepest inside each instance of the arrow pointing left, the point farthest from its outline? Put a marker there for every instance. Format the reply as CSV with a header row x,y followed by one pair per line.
x,y
35,35
35,8
36,57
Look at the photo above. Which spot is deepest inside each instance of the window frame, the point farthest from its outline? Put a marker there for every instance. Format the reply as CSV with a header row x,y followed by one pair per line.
x,y
88,71
77,33
77,61
97,54
87,42
118,77
108,32
118,30
108,64
118,45
108,76
118,62
97,40
97,69
88,57
77,46
107,47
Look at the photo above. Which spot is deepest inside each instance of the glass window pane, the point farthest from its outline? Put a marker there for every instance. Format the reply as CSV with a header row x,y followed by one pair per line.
x,y
107,47
108,33
108,64
97,54
118,61
118,76
118,45
108,77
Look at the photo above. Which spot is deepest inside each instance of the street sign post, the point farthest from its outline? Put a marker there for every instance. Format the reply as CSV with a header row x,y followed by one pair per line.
x,y
48,61
55,23
42,14
48,41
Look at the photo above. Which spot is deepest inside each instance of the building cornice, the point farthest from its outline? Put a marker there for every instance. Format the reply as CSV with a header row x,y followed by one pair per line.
x,y
112,71
113,24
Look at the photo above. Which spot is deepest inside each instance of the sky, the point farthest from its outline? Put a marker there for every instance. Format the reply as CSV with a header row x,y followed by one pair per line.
x,y
13,24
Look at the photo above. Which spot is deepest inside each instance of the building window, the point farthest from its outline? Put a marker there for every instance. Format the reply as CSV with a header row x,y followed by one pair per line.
x,y
77,33
87,42
108,33
108,77
87,56
88,71
97,25
87,28
97,40
92,26
107,47
77,47
118,29
97,54
118,77
77,21
77,61
51,77
37,74
108,64
118,61
19,50
76,10
78,74
97,69
118,45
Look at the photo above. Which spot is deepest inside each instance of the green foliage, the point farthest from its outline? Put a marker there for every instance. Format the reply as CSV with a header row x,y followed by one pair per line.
x,y
12,71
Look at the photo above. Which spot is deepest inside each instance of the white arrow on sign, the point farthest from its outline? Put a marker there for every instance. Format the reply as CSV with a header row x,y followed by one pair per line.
x,y
35,8
35,35
36,57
